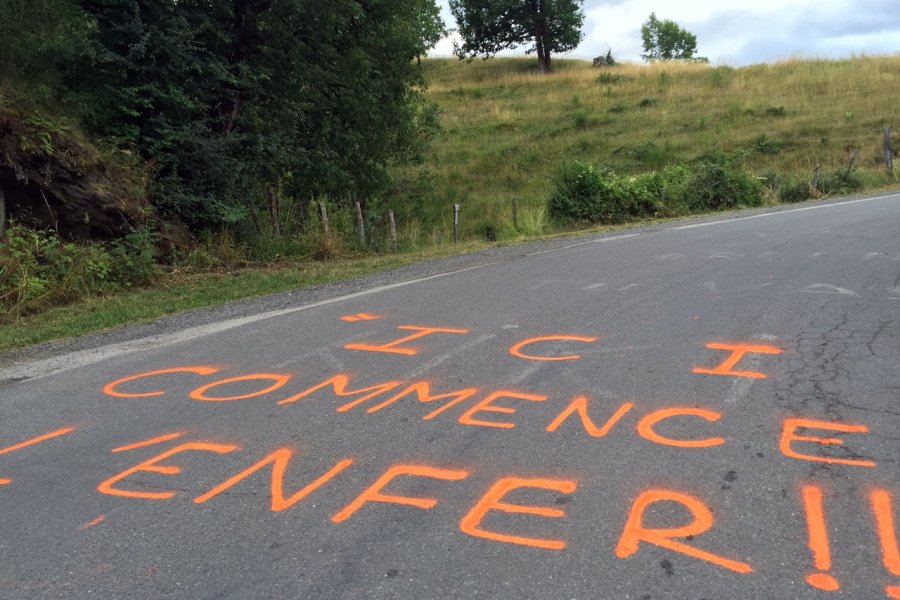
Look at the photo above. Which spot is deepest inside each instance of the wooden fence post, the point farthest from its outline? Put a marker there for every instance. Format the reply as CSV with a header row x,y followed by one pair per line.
x,y
360,225
816,178
393,229
888,150
515,213
456,223
324,212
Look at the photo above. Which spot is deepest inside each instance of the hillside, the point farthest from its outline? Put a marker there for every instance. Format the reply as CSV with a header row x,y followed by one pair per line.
x,y
508,128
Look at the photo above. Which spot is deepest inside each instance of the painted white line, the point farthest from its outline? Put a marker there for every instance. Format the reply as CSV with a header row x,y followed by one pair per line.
x,y
826,288
586,243
74,360
58,364
741,386
783,212
438,360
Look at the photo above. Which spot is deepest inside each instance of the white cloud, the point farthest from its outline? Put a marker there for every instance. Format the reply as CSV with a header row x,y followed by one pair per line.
x,y
737,32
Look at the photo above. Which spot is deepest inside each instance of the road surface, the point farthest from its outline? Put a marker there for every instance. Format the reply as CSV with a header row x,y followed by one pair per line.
x,y
708,410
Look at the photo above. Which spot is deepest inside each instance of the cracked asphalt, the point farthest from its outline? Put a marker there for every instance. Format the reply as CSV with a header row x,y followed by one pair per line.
x,y
701,409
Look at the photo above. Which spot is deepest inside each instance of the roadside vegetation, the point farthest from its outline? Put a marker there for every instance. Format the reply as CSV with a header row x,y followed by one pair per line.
x,y
523,152
510,132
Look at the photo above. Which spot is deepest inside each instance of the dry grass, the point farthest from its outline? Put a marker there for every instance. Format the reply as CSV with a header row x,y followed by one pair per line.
x,y
507,128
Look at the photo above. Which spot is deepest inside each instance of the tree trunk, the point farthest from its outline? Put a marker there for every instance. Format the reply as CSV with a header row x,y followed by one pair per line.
x,y
245,41
274,210
541,35
543,57
2,214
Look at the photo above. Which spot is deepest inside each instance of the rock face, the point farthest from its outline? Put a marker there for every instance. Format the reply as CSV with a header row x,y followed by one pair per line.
x,y
600,61
52,179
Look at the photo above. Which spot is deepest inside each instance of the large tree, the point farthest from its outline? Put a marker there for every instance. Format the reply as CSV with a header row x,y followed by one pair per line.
x,y
544,26
665,40
233,100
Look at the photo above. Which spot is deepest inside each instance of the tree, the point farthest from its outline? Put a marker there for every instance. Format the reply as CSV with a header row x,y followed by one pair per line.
x,y
232,101
545,26
431,25
665,40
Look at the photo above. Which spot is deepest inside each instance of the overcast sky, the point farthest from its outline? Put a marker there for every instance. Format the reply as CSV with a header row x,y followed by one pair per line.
x,y
740,32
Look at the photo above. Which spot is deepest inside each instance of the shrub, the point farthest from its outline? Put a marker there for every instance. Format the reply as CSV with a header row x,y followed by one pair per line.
x,y
719,182
766,145
583,193
793,189
842,181
608,78
38,270
663,192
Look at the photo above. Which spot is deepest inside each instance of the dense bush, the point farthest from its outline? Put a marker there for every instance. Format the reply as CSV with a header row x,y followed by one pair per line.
x,y
38,270
793,189
841,181
583,193
719,182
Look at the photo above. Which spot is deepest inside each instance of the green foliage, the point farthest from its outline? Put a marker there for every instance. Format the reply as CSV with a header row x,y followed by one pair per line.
x,y
793,189
665,40
610,78
720,77
843,180
719,182
225,99
766,145
489,26
430,24
38,270
584,194
610,59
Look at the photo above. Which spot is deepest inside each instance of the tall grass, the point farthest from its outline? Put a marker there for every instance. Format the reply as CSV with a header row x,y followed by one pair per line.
x,y
507,128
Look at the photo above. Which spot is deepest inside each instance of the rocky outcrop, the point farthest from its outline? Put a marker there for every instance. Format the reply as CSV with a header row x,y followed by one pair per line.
x,y
52,178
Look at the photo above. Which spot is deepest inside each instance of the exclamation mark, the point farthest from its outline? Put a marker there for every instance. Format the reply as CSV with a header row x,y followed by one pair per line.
x,y
818,540
884,521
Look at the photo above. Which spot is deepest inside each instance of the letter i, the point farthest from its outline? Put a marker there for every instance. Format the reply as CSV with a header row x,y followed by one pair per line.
x,y
818,540
884,521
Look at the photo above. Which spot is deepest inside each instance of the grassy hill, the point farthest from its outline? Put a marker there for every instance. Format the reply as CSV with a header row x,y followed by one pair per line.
x,y
507,128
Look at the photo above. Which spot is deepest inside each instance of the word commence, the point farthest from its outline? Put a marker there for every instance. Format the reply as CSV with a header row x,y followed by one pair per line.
x,y
385,394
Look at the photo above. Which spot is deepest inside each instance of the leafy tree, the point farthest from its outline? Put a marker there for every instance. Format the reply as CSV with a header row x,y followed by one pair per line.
x,y
231,100
545,26
665,40
38,38
431,24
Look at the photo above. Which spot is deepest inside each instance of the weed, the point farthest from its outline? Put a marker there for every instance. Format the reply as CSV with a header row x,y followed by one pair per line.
x,y
766,145
609,78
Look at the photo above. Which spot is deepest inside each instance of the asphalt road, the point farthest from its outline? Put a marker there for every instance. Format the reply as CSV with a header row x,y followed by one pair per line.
x,y
721,420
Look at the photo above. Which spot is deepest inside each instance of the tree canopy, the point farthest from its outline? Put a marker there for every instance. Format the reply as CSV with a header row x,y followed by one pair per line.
x,y
665,40
226,100
543,26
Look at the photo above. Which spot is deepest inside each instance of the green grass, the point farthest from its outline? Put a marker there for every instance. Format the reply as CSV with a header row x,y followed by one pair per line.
x,y
180,292
507,127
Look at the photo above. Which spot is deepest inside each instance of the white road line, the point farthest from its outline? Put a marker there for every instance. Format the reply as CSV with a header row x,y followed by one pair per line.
x,y
74,360
438,360
783,212
741,386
